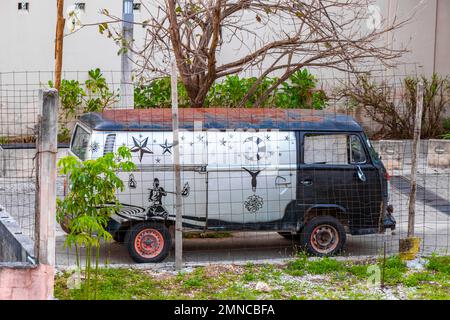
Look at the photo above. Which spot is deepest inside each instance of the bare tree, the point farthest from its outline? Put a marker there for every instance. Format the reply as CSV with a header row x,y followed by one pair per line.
x,y
278,36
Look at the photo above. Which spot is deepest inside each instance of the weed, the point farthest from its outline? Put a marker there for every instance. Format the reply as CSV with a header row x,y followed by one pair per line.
x,y
440,264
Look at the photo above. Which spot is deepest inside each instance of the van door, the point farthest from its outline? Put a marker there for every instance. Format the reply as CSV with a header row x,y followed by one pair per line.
x,y
336,173
251,178
151,188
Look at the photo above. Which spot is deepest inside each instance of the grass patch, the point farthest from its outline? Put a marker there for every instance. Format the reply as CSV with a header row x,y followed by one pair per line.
x,y
439,264
325,265
303,265
343,280
394,269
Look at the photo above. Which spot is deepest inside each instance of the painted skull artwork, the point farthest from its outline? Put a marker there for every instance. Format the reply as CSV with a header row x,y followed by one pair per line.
x,y
254,202
254,174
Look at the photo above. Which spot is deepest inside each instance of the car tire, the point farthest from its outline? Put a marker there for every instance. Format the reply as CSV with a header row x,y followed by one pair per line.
x,y
323,236
148,242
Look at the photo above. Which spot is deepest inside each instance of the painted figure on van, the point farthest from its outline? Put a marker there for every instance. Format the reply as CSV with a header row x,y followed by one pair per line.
x,y
155,198
132,181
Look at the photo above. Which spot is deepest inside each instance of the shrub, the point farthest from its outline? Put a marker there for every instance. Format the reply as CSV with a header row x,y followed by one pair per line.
x,y
91,200
299,91
397,116
77,98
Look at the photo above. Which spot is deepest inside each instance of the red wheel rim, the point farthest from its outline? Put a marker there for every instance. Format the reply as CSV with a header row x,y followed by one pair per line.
x,y
149,243
324,238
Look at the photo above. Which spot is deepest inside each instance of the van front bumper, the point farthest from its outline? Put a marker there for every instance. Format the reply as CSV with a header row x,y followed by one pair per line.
x,y
389,220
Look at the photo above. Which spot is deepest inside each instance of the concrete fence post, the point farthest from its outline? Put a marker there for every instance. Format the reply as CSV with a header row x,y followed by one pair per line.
x,y
176,161
46,145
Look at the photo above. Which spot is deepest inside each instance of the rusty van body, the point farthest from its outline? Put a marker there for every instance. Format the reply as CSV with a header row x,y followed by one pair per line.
x,y
306,175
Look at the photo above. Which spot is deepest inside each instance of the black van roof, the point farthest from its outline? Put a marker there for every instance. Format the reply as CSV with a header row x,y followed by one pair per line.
x,y
160,119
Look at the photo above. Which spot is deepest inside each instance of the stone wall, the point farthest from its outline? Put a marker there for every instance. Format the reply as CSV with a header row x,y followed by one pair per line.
x,y
20,277
26,282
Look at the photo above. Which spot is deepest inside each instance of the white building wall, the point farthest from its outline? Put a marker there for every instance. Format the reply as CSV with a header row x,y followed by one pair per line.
x,y
27,40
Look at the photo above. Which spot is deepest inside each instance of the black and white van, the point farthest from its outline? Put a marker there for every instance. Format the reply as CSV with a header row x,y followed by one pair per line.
x,y
306,175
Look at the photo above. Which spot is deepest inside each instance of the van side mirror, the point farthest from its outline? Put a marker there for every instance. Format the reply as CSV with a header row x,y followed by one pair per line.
x,y
361,175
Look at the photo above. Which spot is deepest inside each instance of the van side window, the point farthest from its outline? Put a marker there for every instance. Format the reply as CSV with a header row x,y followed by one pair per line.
x,y
357,152
333,149
80,142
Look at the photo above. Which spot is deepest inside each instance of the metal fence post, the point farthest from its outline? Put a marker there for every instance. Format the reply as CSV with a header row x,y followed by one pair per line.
x,y
47,148
176,160
126,81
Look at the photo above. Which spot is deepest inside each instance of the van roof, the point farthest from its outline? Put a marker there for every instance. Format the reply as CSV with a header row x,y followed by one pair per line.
x,y
160,119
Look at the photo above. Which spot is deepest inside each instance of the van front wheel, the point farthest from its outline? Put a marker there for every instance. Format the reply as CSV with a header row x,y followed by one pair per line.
x,y
323,236
148,242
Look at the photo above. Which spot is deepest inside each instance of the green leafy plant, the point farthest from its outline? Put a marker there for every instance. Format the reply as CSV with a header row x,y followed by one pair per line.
x,y
85,210
299,91
98,93
77,98
158,94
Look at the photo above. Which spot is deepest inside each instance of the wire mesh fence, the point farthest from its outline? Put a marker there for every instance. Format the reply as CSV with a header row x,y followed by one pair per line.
x,y
18,113
256,183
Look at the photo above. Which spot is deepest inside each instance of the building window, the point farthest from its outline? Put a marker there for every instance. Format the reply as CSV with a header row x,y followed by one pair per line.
x,y
23,6
81,6
136,6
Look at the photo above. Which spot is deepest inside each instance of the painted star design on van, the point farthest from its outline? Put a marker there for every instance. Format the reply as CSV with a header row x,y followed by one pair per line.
x,y
200,138
158,160
140,146
95,146
223,142
166,147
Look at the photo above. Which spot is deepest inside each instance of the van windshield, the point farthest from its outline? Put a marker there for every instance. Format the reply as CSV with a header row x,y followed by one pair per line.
x,y
373,154
80,142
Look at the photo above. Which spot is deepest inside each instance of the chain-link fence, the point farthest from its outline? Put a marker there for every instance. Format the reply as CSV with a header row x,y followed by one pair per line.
x,y
256,184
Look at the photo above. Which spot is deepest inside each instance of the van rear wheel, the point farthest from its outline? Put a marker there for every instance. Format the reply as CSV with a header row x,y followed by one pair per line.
x,y
148,242
323,236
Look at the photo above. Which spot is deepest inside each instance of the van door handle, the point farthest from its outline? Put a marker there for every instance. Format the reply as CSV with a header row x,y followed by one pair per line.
x,y
201,169
282,182
306,182
361,175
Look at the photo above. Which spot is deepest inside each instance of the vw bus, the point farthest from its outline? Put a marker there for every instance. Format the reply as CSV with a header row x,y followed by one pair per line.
x,y
307,175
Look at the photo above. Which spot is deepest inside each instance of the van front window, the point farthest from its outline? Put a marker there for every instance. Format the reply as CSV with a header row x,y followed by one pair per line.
x,y
373,154
80,142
